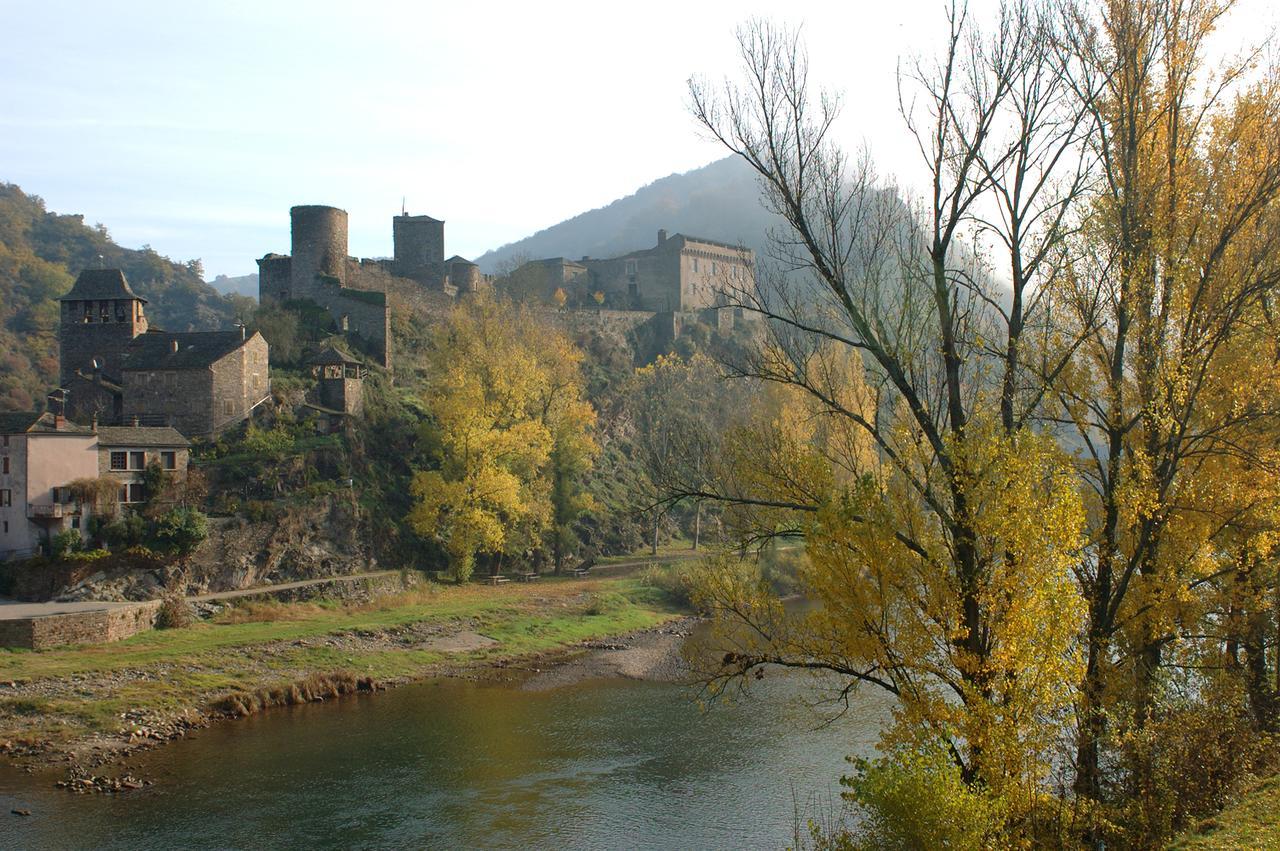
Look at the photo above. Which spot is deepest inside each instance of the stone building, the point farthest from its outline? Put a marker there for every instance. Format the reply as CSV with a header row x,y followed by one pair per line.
x,y
340,380
680,274
41,454
125,452
201,383
352,291
115,368
318,270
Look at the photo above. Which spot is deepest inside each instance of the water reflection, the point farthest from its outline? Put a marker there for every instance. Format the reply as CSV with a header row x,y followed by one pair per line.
x,y
610,764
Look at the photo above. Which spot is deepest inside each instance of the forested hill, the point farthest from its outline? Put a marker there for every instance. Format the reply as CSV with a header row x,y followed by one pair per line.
x,y
718,201
40,255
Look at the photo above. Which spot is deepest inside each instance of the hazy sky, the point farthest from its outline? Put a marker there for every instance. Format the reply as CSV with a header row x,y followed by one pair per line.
x,y
195,126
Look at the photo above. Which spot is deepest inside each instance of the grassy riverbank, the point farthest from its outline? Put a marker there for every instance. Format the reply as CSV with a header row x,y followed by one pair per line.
x,y
1253,822
92,700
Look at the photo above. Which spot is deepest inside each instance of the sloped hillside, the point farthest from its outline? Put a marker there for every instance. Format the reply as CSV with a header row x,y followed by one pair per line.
x,y
719,201
41,253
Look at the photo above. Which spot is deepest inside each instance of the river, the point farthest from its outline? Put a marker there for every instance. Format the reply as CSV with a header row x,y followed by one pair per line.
x,y
458,764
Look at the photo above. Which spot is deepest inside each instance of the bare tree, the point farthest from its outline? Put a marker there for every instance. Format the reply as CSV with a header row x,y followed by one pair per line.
x,y
860,273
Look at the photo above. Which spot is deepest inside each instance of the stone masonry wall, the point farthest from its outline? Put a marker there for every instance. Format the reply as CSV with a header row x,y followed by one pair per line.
x,y
40,633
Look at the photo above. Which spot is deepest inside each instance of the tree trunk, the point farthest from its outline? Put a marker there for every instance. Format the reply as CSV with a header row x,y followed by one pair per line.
x,y
657,522
697,524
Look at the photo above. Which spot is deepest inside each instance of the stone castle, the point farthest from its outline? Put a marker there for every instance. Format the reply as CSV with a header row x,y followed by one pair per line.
x,y
115,368
681,279
319,270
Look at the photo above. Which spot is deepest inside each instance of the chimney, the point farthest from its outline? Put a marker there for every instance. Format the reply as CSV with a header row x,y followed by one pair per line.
x,y
173,346
662,235
241,326
57,404
94,422
135,421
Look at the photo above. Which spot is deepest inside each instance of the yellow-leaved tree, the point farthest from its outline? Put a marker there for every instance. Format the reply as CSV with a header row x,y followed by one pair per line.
x,y
507,437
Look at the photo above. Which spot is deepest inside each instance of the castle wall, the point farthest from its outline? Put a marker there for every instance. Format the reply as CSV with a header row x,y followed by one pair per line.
x,y
360,312
319,236
275,273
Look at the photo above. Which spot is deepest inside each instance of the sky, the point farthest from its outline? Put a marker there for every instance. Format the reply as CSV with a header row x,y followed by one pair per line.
x,y
193,127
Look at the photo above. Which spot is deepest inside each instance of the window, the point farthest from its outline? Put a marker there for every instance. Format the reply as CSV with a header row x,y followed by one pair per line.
x,y
75,521
169,460
6,527
6,441
123,494
695,264
137,460
228,407
137,492
6,498
4,465
119,460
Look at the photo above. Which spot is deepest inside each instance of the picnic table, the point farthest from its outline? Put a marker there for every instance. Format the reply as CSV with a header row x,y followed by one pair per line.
x,y
498,579
527,576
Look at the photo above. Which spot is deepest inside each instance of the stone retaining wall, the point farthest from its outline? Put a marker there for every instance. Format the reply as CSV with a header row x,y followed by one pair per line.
x,y
98,627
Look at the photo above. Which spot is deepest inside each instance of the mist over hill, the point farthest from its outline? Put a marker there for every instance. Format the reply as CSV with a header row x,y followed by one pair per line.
x,y
719,201
245,285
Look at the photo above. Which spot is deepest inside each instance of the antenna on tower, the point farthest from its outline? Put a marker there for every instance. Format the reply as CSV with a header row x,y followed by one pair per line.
x,y
402,210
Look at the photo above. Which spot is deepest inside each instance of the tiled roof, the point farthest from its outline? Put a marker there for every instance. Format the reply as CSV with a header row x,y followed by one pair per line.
x,y
332,354
101,284
31,422
141,436
194,350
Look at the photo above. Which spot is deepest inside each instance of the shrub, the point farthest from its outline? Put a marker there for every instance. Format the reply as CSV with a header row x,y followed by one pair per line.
x,y
175,613
181,530
917,799
128,531
671,581
64,543
781,569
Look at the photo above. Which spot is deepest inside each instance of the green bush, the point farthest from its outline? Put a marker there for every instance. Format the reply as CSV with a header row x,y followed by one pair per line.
x,y
917,799
64,543
671,581
781,569
128,531
180,530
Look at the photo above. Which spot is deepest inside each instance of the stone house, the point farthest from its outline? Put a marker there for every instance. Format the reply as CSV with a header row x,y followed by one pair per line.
x,y
125,452
116,368
201,383
41,454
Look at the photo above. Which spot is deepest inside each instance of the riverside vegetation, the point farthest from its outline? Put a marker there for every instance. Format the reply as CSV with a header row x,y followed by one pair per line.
x,y
1026,423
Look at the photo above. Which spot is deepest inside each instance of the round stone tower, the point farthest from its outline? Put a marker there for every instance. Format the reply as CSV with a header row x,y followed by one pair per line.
x,y
319,247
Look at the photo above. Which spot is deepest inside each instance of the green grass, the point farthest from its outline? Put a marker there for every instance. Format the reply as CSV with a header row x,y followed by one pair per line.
x,y
186,668
1254,822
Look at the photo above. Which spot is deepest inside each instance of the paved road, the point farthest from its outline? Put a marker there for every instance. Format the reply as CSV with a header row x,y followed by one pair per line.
x,y
13,609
